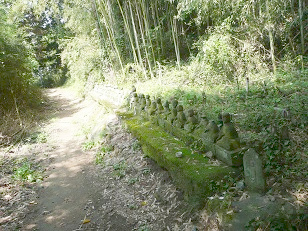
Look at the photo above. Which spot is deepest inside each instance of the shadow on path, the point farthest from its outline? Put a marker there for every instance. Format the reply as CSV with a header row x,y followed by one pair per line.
x,y
64,194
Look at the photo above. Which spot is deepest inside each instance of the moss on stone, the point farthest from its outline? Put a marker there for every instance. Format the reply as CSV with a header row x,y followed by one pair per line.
x,y
192,173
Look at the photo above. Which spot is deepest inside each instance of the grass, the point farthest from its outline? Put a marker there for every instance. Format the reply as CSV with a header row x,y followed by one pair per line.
x,y
261,118
101,153
26,171
88,145
99,158
120,169
36,137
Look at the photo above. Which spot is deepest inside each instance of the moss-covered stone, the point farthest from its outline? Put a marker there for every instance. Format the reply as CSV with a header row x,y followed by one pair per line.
x,y
192,173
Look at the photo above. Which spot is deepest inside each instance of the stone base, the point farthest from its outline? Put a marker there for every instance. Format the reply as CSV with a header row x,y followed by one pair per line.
x,y
191,172
231,158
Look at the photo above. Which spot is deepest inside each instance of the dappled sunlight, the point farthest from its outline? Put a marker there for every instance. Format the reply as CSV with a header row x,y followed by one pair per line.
x,y
66,183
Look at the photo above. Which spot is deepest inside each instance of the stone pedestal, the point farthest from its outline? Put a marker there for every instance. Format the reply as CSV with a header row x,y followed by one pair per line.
x,y
231,158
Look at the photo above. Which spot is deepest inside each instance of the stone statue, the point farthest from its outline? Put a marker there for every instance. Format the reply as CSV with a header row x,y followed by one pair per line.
x,y
228,137
166,109
148,102
192,121
181,118
153,108
203,98
134,103
220,122
160,108
142,103
212,132
202,125
173,115
203,120
174,103
130,96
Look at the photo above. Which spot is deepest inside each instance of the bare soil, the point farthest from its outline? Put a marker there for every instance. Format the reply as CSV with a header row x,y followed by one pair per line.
x,y
125,191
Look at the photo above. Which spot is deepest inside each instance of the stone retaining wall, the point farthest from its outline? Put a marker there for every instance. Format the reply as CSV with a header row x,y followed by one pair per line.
x,y
193,128
166,129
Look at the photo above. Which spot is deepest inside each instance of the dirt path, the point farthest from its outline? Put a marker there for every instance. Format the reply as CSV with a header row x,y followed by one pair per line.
x,y
127,191
66,191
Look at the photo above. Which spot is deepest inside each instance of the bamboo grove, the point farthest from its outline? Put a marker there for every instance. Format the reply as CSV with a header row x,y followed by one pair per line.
x,y
214,40
145,34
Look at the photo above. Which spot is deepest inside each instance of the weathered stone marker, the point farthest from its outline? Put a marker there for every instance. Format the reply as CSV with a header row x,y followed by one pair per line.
x,y
142,104
192,121
253,171
181,118
166,110
148,102
160,108
228,138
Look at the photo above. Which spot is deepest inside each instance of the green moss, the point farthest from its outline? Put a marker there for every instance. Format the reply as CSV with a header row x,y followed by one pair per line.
x,y
192,173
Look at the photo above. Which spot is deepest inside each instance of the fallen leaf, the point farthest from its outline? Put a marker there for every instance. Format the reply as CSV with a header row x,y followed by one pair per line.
x,y
8,197
85,221
144,203
5,219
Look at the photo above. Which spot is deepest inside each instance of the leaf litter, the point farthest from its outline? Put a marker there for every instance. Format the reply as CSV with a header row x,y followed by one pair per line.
x,y
143,198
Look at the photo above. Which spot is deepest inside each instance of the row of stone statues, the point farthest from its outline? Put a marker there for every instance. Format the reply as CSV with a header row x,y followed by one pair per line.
x,y
224,134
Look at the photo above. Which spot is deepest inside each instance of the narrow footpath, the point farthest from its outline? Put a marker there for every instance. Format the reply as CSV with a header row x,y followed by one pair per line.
x,y
64,194
125,191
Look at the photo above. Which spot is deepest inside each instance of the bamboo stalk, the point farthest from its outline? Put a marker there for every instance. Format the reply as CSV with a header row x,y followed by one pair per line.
x,y
98,25
110,33
142,37
100,32
136,39
160,29
175,40
157,51
271,39
128,31
147,30
302,32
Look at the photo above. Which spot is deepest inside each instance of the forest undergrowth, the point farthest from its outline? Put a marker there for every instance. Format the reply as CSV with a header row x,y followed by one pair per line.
x,y
270,114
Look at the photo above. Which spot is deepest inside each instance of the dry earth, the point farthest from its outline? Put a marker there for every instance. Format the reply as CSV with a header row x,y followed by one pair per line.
x,y
126,191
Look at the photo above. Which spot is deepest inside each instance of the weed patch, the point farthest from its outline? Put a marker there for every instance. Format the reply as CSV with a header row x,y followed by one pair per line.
x,y
88,145
102,152
120,169
25,171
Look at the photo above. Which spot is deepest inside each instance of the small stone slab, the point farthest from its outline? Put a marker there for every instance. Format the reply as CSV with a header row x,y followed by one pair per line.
x,y
253,170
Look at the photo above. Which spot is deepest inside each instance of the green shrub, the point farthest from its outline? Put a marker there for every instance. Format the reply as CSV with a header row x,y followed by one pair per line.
x,y
16,63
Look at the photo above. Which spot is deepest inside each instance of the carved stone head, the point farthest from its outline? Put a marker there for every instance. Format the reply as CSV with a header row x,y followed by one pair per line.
x,y
226,117
180,108
174,103
166,106
190,113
